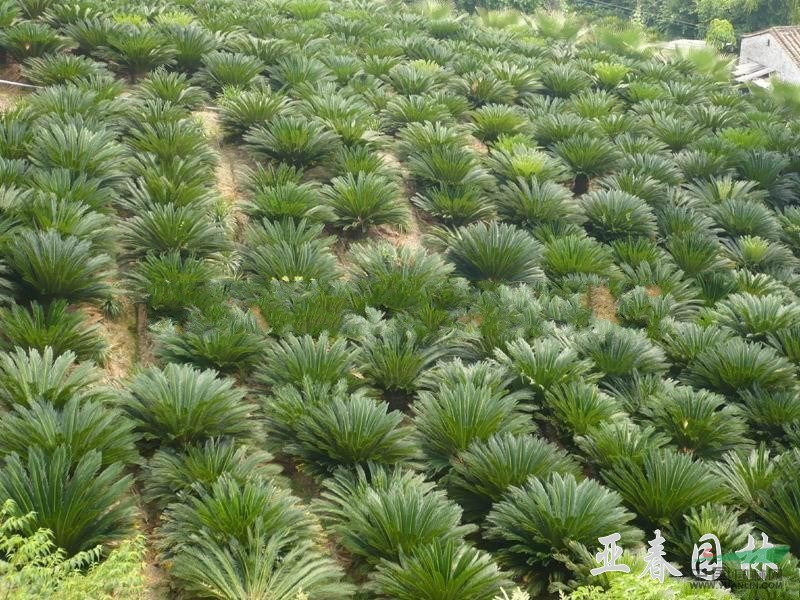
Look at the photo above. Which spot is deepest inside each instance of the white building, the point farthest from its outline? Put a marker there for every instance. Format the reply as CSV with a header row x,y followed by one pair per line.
x,y
771,52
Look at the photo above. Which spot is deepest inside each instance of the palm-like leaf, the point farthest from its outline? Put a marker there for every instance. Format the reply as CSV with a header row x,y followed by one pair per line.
x,y
542,525
611,441
180,405
440,571
26,376
388,513
455,416
294,140
365,200
494,253
483,472
81,502
663,486
392,278
294,358
82,426
55,325
172,473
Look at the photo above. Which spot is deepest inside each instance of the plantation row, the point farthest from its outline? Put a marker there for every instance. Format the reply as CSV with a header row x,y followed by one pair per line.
x,y
482,290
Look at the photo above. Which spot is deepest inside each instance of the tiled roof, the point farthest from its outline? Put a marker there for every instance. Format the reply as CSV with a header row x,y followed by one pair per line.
x,y
788,37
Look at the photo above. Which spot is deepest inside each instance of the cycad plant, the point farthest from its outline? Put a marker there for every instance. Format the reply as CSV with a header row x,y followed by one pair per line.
x,y
532,202
493,253
540,527
181,405
396,278
61,68
440,571
456,415
292,359
230,341
297,141
169,473
700,422
80,425
481,474
365,200
663,486
137,50
30,375
288,251
79,500
221,69
383,513
55,325
588,157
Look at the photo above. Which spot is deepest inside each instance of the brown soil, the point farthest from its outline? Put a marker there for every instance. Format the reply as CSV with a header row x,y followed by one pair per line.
x,y
602,303
120,335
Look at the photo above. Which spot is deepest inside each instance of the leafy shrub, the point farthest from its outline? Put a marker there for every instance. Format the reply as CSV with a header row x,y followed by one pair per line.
x,y
82,426
663,486
170,474
365,200
612,215
456,415
532,203
381,284
38,567
295,141
230,341
611,441
439,570
294,358
181,405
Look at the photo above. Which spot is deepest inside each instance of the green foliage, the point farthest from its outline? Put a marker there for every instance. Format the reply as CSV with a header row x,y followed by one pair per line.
x,y
230,341
458,414
81,426
384,514
292,359
365,200
136,50
56,325
547,522
296,141
396,278
481,474
29,375
441,570
172,285
181,405
663,486
29,39
170,474
493,253
79,500
53,69
50,266
36,568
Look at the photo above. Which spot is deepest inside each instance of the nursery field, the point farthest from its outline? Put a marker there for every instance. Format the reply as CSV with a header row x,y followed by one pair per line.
x,y
360,299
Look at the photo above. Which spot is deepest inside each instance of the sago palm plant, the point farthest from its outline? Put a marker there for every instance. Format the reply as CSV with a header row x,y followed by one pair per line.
x,y
543,525
481,474
79,500
56,325
364,201
493,253
456,415
441,571
181,405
